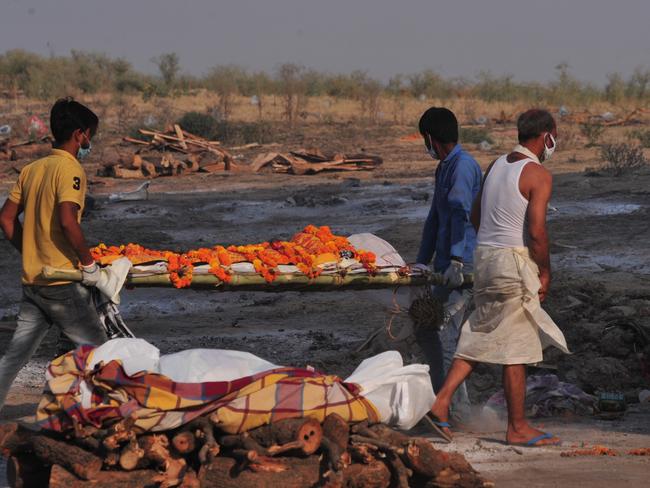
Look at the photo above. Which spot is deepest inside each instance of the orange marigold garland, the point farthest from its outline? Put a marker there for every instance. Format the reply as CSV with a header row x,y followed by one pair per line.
x,y
306,250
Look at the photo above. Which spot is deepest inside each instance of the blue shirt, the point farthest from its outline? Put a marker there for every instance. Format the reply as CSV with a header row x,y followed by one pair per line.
x,y
448,230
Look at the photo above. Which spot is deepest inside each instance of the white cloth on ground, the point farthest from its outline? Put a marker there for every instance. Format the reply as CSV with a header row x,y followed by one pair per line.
x,y
508,324
401,394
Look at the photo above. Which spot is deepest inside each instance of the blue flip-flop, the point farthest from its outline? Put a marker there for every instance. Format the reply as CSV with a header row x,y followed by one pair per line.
x,y
438,425
533,442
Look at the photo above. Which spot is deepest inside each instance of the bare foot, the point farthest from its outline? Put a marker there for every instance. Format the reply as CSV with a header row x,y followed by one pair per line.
x,y
525,433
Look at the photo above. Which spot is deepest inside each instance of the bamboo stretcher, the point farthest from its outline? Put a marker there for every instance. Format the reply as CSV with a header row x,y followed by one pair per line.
x,y
282,282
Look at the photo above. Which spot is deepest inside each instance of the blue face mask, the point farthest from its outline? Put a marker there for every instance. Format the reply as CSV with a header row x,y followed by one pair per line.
x,y
83,152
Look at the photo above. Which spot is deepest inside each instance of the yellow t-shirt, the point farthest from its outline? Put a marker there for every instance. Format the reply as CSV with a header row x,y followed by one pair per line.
x,y
41,186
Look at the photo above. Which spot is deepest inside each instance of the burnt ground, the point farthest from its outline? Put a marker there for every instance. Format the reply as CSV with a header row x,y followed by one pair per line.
x,y
600,247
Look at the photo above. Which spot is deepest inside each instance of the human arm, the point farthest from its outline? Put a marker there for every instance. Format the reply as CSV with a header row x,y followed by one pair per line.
x,y
10,224
429,233
464,182
69,219
538,184
475,215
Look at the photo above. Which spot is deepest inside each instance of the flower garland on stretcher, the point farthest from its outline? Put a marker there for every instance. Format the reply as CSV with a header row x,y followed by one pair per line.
x,y
306,250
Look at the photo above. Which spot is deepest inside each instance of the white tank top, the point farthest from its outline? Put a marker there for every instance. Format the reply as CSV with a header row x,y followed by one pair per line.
x,y
503,207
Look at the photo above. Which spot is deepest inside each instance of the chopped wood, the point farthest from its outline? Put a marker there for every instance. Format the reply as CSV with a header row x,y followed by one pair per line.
x,y
131,456
77,460
120,172
62,478
30,151
26,472
336,438
184,442
288,453
15,439
180,135
373,475
223,472
313,161
306,430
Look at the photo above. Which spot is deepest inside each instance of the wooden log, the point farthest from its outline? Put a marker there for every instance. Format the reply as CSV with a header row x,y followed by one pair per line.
x,y
15,439
224,473
306,430
30,151
131,456
180,135
118,171
373,475
62,478
205,431
79,461
400,472
27,472
337,430
184,442
156,450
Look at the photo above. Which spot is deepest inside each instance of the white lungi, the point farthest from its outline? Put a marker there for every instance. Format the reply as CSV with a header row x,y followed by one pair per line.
x,y
508,325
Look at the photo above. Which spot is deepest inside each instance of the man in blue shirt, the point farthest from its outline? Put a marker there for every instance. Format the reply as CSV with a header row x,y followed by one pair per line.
x,y
449,239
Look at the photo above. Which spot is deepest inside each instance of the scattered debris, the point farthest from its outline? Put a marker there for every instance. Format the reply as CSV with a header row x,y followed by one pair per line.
x,y
643,451
592,451
485,146
547,396
310,161
141,193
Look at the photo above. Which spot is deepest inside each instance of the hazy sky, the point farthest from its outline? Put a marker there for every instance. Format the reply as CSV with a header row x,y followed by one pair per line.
x,y
384,37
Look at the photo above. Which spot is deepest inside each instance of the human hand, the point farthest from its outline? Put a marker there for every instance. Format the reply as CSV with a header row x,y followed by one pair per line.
x,y
90,274
545,283
453,277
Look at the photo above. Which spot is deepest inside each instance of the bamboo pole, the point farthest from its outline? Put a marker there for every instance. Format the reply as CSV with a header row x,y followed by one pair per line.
x,y
283,282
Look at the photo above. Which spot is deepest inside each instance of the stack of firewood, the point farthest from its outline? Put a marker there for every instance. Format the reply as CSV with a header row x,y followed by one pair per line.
x,y
311,161
170,153
288,453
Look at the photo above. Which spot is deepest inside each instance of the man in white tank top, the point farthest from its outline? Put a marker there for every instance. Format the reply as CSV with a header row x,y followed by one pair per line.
x,y
512,274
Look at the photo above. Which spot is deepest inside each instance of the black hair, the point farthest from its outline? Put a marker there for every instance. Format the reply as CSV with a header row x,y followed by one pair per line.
x,y
440,123
67,115
533,123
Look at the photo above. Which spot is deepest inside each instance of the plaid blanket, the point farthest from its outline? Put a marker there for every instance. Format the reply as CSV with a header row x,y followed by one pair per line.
x,y
107,394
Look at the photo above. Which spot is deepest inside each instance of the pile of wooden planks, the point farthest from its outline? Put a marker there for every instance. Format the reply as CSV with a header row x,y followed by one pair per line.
x,y
173,152
299,452
311,161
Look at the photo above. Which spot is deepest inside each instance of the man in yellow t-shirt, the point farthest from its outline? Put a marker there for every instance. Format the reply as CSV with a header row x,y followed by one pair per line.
x,y
50,192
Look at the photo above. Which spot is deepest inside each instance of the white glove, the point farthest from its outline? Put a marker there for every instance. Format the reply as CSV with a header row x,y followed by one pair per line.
x,y
453,277
90,274
419,268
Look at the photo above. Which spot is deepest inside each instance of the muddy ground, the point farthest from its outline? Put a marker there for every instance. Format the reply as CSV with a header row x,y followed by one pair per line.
x,y
600,247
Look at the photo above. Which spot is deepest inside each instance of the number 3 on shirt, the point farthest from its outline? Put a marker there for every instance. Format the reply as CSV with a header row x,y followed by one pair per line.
x,y
76,183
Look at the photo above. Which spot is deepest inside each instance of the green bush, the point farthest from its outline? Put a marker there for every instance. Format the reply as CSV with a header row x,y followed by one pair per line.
x,y
199,124
475,135
237,133
642,135
622,158
593,132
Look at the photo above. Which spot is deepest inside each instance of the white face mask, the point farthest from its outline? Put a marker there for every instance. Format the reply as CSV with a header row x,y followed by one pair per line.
x,y
548,151
432,152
